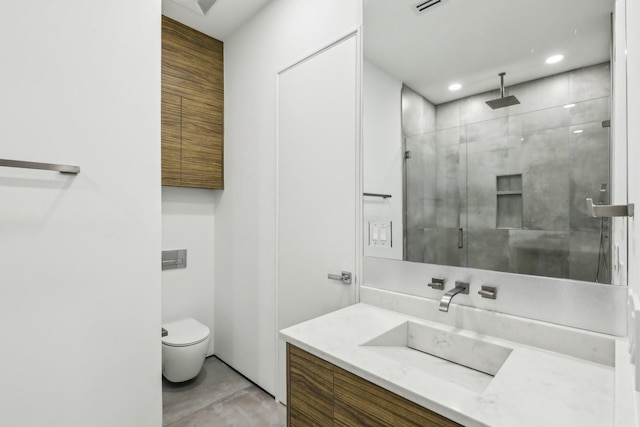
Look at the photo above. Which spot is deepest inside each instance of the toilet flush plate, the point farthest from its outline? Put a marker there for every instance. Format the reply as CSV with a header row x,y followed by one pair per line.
x,y
172,259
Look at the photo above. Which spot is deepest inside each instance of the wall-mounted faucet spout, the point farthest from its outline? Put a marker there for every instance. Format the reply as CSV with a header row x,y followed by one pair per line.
x,y
461,288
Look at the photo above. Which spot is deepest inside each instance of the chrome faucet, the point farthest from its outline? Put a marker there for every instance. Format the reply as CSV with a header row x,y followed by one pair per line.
x,y
461,288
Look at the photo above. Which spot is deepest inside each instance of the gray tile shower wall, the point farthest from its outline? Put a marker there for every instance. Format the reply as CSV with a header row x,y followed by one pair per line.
x,y
561,154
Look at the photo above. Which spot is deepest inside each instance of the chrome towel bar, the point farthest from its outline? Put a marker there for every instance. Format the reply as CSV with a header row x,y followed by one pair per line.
x,y
44,166
384,196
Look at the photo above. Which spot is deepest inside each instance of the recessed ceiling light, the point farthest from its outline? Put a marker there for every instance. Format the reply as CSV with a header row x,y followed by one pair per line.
x,y
553,59
569,106
578,131
455,86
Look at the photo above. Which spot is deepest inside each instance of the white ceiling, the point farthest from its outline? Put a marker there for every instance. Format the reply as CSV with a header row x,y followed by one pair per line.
x,y
471,41
224,17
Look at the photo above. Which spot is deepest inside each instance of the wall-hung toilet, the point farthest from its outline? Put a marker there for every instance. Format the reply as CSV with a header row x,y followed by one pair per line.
x,y
184,349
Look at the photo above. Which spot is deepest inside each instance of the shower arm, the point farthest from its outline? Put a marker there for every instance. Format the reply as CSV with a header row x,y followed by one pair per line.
x,y
502,84
607,211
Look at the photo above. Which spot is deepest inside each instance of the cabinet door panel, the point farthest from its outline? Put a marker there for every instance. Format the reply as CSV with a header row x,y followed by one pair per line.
x,y
191,61
310,401
201,145
171,139
358,402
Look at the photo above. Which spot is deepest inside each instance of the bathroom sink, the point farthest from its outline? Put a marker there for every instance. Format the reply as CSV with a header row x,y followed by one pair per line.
x,y
450,345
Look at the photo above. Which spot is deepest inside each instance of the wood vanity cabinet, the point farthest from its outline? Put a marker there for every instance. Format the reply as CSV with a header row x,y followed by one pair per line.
x,y
192,108
321,394
309,389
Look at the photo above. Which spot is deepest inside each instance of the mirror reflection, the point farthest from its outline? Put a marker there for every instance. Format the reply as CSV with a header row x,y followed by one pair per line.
x,y
488,124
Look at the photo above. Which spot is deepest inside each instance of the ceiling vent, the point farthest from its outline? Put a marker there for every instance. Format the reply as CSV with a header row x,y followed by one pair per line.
x,y
201,7
428,4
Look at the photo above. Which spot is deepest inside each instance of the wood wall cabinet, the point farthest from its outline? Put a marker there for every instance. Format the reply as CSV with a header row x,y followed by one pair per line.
x,y
192,108
321,394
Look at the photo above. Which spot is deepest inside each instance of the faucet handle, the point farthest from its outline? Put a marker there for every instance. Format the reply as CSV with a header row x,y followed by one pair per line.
x,y
488,292
436,283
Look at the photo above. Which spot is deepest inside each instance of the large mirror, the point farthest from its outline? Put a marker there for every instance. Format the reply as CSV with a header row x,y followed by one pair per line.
x,y
459,170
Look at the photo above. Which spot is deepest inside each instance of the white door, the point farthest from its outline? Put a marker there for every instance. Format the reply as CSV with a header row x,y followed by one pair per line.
x,y
317,186
633,136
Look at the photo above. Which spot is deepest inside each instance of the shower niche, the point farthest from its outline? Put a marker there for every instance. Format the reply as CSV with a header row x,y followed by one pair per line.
x,y
509,201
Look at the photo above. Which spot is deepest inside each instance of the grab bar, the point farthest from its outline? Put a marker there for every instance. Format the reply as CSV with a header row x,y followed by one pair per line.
x,y
44,166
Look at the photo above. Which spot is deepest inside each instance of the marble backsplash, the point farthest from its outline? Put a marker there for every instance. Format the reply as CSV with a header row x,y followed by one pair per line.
x,y
595,347
589,306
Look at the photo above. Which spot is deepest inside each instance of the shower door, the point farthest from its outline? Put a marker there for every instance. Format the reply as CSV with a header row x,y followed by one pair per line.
x,y
508,194
436,197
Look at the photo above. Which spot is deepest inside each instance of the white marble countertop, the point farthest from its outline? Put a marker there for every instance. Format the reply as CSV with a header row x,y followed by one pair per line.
x,y
534,387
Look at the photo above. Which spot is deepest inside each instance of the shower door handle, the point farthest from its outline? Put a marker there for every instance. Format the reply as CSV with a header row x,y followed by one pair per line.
x,y
460,238
344,277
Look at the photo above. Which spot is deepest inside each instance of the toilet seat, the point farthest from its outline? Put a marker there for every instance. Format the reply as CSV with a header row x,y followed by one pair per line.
x,y
184,333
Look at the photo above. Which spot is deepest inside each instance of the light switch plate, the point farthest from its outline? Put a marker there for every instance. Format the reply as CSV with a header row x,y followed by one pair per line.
x,y
380,234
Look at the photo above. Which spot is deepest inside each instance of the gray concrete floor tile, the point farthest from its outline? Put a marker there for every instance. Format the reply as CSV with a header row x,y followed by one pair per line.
x,y
216,382
250,407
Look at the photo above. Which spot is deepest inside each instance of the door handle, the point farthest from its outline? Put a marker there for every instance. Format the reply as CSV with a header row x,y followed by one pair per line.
x,y
345,277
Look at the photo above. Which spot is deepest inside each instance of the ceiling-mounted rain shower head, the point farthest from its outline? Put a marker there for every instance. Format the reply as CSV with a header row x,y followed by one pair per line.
x,y
502,101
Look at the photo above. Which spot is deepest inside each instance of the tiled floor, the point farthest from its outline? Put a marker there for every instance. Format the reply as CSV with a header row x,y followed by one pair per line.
x,y
219,397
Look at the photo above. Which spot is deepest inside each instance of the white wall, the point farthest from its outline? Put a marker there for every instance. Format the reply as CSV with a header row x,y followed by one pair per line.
x,y
80,276
284,32
188,223
383,157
